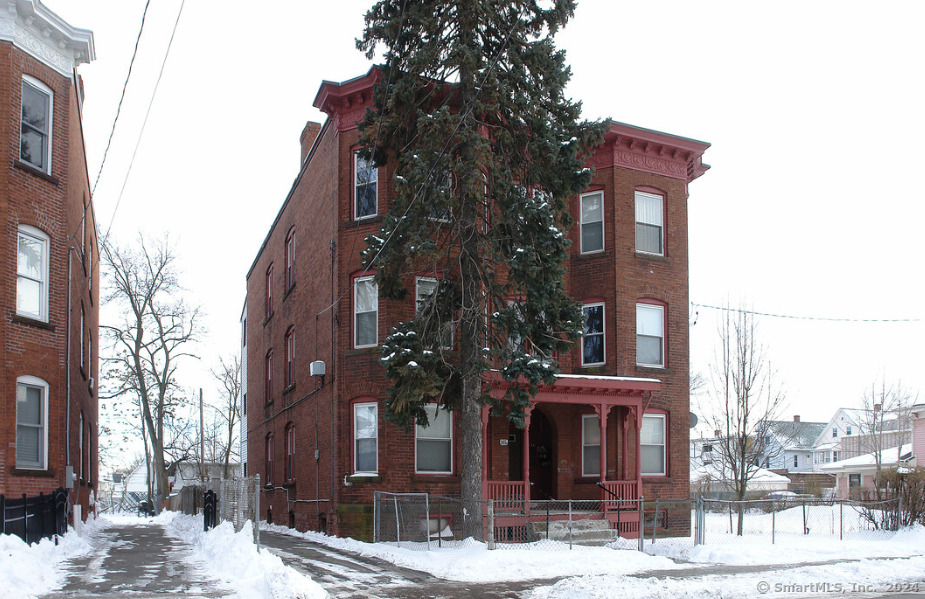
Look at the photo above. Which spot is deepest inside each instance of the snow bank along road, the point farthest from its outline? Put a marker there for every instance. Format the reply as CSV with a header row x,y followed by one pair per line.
x,y
345,574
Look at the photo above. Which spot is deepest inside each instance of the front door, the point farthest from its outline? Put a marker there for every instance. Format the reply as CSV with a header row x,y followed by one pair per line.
x,y
542,456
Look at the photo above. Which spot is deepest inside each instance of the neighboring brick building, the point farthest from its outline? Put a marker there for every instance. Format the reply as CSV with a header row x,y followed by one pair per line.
x,y
49,291
322,441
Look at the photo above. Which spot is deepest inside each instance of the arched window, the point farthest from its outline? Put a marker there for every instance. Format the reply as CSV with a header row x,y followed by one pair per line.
x,y
269,377
35,131
290,357
650,222
269,297
290,259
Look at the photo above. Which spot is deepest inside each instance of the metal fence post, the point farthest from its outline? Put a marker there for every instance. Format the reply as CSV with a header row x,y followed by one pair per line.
x,y
376,522
569,524
257,512
397,522
491,524
427,520
642,524
773,524
655,521
899,511
841,520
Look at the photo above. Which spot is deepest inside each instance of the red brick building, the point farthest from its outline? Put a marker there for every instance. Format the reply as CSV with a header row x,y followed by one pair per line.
x,y
621,402
49,290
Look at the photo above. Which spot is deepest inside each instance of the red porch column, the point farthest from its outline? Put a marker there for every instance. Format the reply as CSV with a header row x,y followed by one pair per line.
x,y
625,466
526,458
637,412
602,411
485,453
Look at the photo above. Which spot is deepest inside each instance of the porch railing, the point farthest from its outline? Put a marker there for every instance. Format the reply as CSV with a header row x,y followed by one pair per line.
x,y
507,495
614,491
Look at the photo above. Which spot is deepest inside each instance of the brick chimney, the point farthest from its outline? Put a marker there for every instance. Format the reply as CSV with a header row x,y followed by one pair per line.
x,y
309,133
796,418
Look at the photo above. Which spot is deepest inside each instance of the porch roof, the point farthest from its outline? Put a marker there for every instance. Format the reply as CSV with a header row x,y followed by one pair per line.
x,y
584,389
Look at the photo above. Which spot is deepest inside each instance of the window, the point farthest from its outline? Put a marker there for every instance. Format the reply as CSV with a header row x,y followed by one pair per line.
x,y
592,222
424,290
652,444
268,472
649,223
834,432
592,343
365,186
269,291
290,260
433,443
366,438
650,335
290,357
31,423
848,429
35,133
590,446
89,454
82,329
835,456
854,481
290,452
439,193
366,313
796,461
269,379
32,274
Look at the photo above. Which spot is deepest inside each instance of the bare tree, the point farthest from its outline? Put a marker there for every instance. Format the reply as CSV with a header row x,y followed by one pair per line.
x,y
746,400
150,338
886,422
228,411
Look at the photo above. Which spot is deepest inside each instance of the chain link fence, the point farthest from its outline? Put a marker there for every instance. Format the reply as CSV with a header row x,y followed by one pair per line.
x,y
773,520
238,501
422,521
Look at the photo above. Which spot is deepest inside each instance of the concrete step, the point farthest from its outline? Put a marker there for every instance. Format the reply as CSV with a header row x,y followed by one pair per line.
x,y
582,532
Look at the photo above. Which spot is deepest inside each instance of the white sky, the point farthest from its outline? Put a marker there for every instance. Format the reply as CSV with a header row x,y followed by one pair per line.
x,y
813,206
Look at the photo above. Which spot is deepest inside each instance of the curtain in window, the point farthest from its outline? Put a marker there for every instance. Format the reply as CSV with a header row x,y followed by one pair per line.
x,y
652,445
434,442
648,223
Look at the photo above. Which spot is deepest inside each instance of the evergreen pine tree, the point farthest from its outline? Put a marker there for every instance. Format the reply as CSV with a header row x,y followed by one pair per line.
x,y
470,111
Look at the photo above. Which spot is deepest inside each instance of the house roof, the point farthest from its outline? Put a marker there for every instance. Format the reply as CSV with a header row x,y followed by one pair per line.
x,y
889,458
715,471
796,435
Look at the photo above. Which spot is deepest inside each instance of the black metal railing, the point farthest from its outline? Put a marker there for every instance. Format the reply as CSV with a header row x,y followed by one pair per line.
x,y
34,518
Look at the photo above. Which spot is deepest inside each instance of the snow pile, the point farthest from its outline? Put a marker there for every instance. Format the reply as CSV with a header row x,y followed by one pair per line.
x,y
471,561
233,559
27,571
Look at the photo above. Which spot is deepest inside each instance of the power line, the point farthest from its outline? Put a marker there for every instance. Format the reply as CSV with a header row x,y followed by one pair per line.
x,y
122,97
798,317
145,122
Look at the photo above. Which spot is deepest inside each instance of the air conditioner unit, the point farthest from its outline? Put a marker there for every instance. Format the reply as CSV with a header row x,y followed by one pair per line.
x,y
316,368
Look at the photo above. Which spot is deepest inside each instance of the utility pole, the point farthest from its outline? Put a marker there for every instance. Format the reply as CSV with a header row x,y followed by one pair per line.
x,y
202,440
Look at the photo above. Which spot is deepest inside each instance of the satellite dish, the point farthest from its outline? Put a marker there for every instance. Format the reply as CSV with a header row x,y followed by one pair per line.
x,y
694,420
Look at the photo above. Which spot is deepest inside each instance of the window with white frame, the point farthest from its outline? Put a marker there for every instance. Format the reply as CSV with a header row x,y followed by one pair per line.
x,y
366,438
434,442
32,273
440,192
35,131
290,357
592,222
82,329
848,429
652,444
424,290
366,313
290,452
590,445
650,228
365,187
31,423
834,432
650,335
796,461
592,341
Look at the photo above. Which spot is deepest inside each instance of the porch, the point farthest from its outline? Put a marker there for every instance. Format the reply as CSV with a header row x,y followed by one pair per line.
x,y
580,443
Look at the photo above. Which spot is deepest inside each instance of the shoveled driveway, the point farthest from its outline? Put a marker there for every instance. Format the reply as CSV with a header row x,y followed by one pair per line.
x,y
138,561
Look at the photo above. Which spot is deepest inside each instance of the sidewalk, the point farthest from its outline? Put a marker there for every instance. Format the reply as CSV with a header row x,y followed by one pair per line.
x,y
140,561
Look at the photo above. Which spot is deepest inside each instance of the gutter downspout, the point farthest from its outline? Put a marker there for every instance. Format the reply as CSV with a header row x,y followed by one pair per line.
x,y
67,351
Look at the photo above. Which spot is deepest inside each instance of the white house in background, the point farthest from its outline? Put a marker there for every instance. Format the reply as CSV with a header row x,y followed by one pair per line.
x,y
827,447
712,479
918,434
855,476
790,444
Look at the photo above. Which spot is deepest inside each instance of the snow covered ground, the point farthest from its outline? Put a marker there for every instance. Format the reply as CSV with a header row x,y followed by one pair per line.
x,y
892,562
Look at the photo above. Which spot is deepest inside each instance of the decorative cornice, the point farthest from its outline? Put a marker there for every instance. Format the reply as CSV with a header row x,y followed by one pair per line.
x,y
651,151
346,102
32,27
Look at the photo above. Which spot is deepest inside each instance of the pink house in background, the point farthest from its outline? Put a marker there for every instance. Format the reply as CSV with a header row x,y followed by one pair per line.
x,y
918,434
